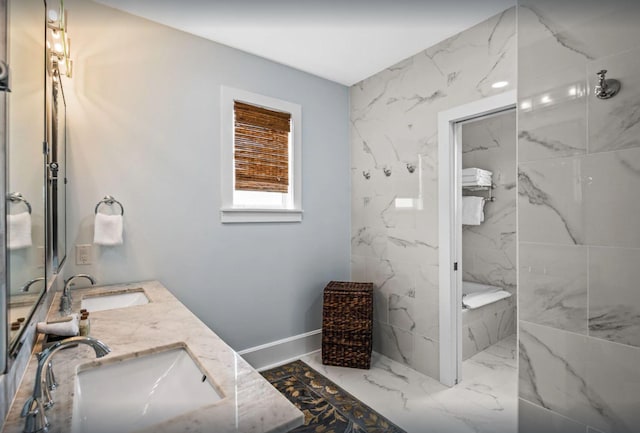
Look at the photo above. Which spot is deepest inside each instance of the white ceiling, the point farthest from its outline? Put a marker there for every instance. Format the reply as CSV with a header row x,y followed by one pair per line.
x,y
341,40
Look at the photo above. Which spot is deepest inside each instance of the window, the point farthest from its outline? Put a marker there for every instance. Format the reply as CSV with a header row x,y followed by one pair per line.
x,y
261,179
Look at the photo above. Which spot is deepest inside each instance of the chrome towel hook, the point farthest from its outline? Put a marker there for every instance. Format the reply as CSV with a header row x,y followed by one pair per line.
x,y
109,200
606,87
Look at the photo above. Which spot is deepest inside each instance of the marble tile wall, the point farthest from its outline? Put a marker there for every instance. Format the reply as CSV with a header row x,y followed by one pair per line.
x,y
395,178
487,325
578,206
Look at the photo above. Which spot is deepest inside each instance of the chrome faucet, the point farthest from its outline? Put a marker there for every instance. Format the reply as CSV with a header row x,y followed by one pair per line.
x,y
28,285
65,299
34,408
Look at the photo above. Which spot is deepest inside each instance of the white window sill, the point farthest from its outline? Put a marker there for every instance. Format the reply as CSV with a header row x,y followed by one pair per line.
x,y
241,215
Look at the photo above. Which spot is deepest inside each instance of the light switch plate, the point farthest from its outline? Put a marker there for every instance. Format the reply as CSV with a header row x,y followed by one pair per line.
x,y
83,254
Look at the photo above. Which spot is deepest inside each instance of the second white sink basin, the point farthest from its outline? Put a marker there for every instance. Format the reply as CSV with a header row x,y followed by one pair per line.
x,y
113,301
137,393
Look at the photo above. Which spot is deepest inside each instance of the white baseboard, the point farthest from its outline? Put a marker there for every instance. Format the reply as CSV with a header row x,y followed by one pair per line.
x,y
280,352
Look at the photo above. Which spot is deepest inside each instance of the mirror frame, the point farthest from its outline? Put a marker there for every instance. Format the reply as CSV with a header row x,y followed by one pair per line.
x,y
13,346
4,335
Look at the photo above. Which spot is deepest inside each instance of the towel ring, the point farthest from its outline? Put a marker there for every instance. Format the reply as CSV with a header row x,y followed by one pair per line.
x,y
109,200
16,197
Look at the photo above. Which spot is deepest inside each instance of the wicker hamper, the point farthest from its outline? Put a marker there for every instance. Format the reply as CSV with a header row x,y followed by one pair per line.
x,y
347,324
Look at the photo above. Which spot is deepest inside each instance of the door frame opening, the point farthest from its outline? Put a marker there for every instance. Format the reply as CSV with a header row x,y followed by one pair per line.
x,y
450,227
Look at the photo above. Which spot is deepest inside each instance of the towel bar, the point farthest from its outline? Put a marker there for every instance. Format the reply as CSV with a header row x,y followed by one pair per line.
x,y
109,200
489,198
16,197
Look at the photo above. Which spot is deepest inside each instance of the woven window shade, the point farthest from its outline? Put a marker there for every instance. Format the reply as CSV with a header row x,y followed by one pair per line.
x,y
261,149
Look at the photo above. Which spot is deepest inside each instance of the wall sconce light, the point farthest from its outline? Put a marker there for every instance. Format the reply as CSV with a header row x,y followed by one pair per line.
x,y
58,41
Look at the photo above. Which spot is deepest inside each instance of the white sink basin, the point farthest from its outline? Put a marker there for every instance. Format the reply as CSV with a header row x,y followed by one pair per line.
x,y
113,301
137,393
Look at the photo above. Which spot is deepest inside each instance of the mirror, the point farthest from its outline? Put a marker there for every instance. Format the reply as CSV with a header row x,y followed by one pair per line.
x,y
25,205
56,173
58,64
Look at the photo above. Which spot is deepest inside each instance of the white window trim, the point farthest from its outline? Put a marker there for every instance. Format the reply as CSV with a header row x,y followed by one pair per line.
x,y
229,213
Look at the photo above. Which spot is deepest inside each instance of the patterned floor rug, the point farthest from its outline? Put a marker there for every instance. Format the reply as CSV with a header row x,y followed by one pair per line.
x,y
327,408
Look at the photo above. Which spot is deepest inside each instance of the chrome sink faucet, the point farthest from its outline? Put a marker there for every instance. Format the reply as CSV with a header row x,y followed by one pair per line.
x,y
28,284
34,408
65,299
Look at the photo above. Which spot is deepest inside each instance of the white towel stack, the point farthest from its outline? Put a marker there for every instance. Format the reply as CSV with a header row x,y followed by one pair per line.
x,y
476,177
107,229
19,228
472,210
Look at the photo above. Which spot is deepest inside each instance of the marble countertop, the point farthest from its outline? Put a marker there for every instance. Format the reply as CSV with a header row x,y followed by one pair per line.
x,y
249,404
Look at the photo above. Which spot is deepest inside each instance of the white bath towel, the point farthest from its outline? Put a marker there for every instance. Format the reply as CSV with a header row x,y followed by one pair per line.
x,y
67,328
472,210
478,177
478,299
19,228
107,229
476,182
474,171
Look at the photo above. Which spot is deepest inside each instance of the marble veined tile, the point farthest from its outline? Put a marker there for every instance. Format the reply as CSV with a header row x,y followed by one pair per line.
x,y
553,286
535,419
395,343
494,136
498,230
587,27
548,57
490,266
613,384
484,402
427,303
367,241
553,129
611,183
599,380
595,27
615,123
490,329
614,298
550,202
426,356
401,312
549,357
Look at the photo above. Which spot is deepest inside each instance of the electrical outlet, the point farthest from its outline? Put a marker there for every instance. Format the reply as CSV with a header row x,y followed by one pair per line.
x,y
83,254
40,257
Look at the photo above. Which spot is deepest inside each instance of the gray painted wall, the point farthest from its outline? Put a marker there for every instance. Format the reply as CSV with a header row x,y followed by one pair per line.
x,y
144,126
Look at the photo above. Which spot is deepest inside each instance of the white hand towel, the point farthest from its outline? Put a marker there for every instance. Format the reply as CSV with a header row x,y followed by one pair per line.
x,y
472,210
63,329
107,229
19,228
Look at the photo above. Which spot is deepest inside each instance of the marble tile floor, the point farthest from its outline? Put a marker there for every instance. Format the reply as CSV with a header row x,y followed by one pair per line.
x,y
485,400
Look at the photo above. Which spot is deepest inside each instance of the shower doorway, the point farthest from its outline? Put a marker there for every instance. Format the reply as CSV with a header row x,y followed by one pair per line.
x,y
450,125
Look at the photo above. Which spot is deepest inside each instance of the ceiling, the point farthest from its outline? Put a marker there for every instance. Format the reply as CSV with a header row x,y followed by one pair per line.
x,y
344,41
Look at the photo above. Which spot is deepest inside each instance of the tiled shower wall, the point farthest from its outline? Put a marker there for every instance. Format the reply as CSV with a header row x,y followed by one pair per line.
x,y
579,207
489,249
395,178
